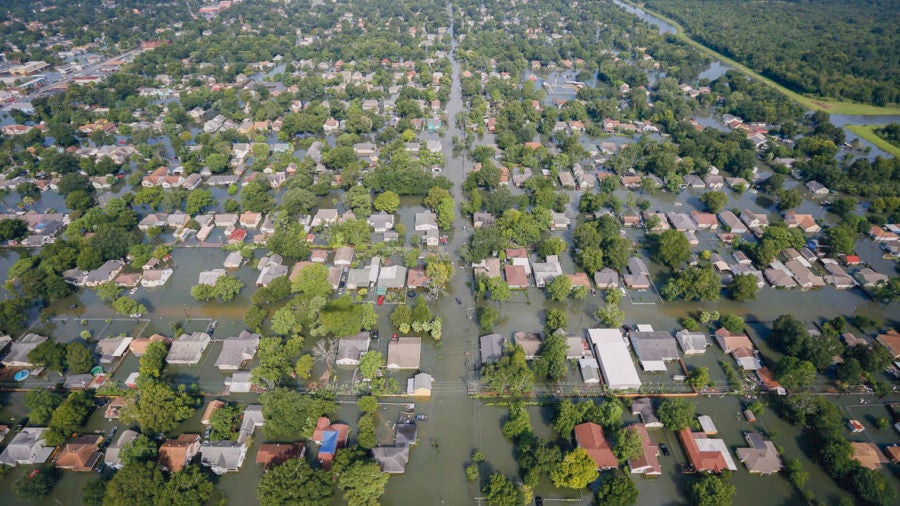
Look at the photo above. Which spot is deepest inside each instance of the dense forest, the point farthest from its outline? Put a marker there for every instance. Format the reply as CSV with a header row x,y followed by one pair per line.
x,y
831,48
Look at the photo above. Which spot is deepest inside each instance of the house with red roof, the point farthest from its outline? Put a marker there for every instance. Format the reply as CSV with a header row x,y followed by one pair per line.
x,y
590,437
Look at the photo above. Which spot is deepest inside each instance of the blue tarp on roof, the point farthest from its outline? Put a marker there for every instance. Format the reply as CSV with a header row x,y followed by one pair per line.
x,y
329,442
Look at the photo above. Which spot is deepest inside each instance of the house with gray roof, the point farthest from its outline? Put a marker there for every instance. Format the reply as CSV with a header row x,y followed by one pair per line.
x,y
681,222
406,434
19,350
210,277
530,342
237,350
654,349
239,382
351,348
381,222
223,456
28,447
426,221
491,347
692,343
270,273
732,223
111,348
111,456
392,277
188,348
404,353
545,272
105,273
606,278
390,459
343,256
250,420
761,457
643,407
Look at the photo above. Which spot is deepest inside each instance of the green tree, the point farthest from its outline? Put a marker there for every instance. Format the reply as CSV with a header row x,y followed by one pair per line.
x,y
34,488
362,483
256,197
518,422
365,434
610,315
276,357
190,486
128,306
151,364
672,249
41,404
294,483
676,414
368,404
693,283
108,292
789,199
226,423
558,289
49,354
142,449
842,239
370,363
628,444
510,374
712,491
714,201
576,470
79,359
743,287
290,414
569,415
796,474
92,492
135,483
556,319
401,318
387,201
552,359
199,200
552,246
445,213
732,323
487,317
616,489
227,287
794,373
159,408
68,417
312,281
699,379
501,491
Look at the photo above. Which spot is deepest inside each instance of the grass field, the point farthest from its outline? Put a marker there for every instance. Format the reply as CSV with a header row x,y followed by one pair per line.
x,y
831,107
867,132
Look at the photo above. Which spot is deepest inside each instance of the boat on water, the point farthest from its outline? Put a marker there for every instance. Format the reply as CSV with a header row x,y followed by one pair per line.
x,y
21,375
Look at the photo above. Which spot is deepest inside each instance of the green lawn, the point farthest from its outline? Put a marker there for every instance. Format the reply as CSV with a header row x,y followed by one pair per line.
x,y
867,132
816,103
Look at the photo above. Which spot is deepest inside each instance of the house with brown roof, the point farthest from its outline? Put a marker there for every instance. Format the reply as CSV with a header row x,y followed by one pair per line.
x,y
648,462
174,454
81,454
740,347
343,256
530,342
891,341
879,234
705,455
579,279
805,222
416,278
212,408
138,345
516,277
404,353
590,437
273,454
705,221
868,455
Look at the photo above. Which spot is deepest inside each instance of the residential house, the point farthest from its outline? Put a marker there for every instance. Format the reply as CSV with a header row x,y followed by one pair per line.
x,y
482,219
589,436
516,276
324,217
237,350
614,359
590,370
139,345
417,278
27,448
273,454
654,349
891,341
740,347
545,272
693,181
19,350
381,222
643,408
250,219
426,221
491,347
732,223
210,410
153,278
754,220
559,221
419,385
111,348
805,278
111,455
638,276
530,342
519,256
705,221
817,188
104,274
352,348
239,382
489,267
153,220
869,278
343,256
705,455
681,222
391,459
805,222
80,454
188,348
174,454
223,456
692,343
761,457
392,277
404,353
868,455
647,463
879,234
566,180
210,277
606,279
233,260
